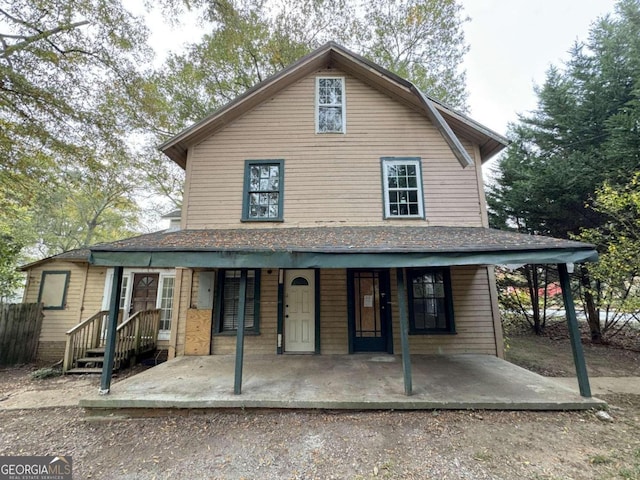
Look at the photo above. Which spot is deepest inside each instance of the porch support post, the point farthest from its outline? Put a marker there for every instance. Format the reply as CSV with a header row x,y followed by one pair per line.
x,y
242,295
404,332
110,344
574,332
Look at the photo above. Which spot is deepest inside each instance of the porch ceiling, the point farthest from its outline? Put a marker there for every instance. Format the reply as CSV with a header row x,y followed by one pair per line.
x,y
339,247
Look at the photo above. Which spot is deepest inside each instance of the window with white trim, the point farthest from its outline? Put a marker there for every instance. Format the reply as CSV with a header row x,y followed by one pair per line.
x,y
123,292
402,186
166,302
330,105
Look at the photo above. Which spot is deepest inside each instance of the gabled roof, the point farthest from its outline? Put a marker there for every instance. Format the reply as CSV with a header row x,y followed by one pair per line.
x,y
449,122
173,214
78,255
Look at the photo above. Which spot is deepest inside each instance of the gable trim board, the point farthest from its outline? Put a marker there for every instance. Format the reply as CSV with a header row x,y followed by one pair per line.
x,y
449,122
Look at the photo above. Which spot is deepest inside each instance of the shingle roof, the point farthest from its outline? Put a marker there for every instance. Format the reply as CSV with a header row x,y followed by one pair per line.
x,y
338,247
77,255
376,239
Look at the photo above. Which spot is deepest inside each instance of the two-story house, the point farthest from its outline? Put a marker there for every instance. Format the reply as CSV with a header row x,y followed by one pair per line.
x,y
334,208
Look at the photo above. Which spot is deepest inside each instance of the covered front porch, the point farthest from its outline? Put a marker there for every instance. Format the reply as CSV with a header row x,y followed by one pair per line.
x,y
362,381
397,248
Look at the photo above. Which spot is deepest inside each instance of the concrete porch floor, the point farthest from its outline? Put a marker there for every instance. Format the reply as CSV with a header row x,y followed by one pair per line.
x,y
362,381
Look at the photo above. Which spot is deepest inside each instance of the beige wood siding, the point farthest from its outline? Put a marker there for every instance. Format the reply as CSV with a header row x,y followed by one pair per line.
x,y
182,300
195,284
56,322
472,309
330,179
472,312
94,291
334,336
84,298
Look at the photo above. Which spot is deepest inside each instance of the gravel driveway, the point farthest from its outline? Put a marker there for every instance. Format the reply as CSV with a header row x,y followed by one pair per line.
x,y
272,444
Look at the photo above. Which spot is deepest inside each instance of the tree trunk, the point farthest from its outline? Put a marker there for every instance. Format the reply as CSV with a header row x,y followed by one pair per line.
x,y
531,272
593,316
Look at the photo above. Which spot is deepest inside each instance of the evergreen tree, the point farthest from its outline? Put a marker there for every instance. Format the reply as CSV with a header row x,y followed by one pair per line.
x,y
584,132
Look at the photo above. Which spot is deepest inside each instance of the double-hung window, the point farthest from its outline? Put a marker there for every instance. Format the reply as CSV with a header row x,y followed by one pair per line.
x,y
330,105
402,187
430,301
228,301
263,190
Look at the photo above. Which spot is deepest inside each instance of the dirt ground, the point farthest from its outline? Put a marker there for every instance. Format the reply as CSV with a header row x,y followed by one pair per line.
x,y
272,444
552,357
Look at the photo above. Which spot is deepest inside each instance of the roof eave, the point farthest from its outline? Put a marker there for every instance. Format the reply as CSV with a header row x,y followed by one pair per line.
x,y
177,146
337,259
37,263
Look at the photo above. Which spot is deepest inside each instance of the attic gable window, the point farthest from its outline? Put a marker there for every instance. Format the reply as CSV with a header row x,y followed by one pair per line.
x,y
402,187
263,190
330,105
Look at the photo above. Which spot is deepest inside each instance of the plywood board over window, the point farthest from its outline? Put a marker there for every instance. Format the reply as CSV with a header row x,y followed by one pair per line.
x,y
53,289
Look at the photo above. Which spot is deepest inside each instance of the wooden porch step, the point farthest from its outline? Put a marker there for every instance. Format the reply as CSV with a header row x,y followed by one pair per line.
x,y
95,351
90,360
97,370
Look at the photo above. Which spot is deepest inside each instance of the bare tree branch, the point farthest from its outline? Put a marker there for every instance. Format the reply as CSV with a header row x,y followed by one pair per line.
x,y
10,50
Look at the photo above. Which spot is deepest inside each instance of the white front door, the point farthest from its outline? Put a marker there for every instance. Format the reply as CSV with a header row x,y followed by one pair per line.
x,y
299,311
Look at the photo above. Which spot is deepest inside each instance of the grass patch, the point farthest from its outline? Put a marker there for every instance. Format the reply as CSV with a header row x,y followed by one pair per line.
x,y
628,473
43,373
483,456
600,460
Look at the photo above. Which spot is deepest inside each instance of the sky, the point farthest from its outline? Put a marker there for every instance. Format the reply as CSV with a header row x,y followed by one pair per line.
x,y
512,45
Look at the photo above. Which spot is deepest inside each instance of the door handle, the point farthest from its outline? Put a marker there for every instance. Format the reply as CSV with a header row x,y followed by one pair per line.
x,y
286,316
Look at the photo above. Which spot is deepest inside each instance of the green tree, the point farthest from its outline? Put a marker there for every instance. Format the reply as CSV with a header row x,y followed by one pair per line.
x,y
57,61
10,278
582,134
421,40
615,276
86,206
63,65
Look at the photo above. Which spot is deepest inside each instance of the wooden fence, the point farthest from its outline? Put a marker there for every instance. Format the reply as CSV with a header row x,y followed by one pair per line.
x,y
20,325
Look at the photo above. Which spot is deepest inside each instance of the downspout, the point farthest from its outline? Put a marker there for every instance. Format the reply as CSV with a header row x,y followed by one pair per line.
x,y
84,292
